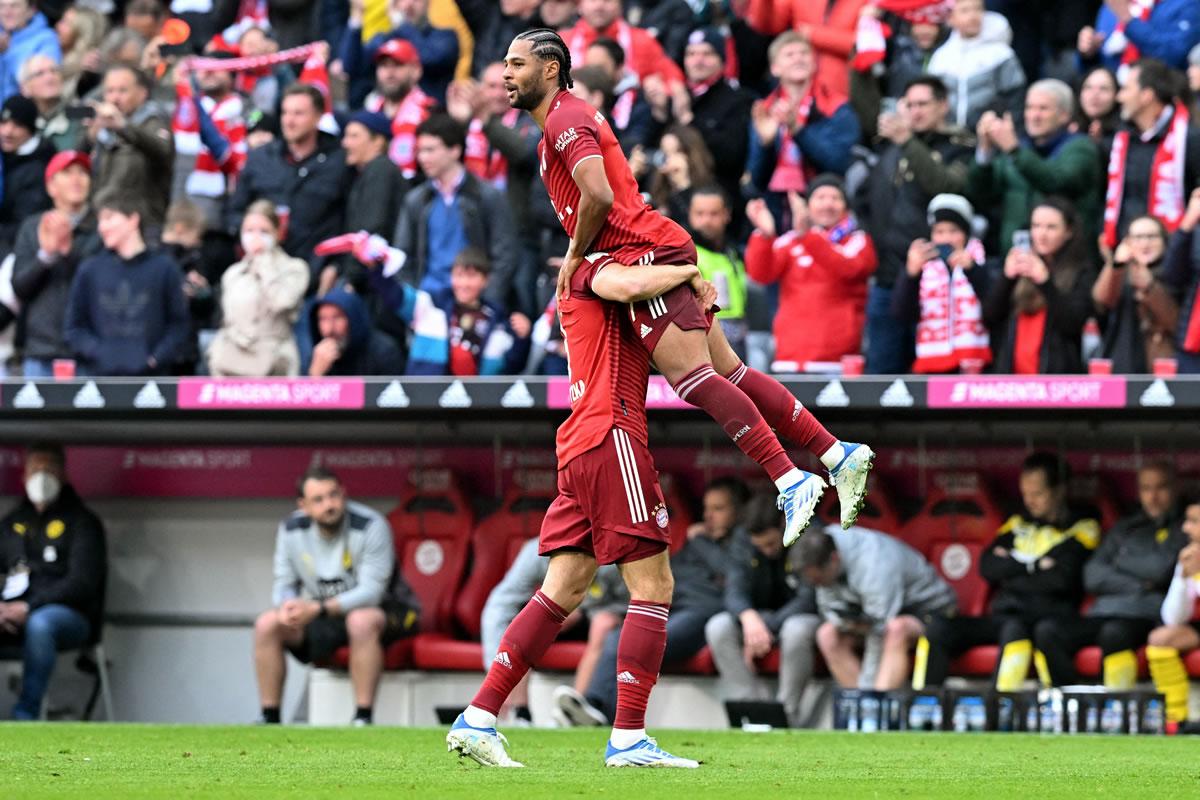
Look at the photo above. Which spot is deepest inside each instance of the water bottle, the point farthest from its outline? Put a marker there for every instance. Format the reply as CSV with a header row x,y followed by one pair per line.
x,y
936,717
1031,717
959,720
1004,714
919,717
1093,719
1072,716
1135,726
1056,711
850,704
976,714
1110,717
1152,718
869,714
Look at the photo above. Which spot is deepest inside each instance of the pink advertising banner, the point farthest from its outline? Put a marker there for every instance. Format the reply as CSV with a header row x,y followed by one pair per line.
x,y
267,393
659,394
1011,391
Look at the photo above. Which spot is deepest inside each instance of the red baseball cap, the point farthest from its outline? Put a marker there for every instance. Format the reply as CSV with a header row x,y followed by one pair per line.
x,y
398,50
65,159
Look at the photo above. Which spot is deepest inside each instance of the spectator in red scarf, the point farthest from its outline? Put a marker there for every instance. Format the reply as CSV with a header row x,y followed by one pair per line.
x,y
644,56
940,288
1037,308
822,266
800,129
828,25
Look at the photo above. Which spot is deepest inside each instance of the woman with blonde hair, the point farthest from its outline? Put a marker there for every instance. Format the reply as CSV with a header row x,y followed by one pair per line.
x,y
261,297
80,31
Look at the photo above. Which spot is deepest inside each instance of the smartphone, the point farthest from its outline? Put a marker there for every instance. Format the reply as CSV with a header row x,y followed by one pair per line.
x,y
889,105
182,49
1021,240
79,112
944,252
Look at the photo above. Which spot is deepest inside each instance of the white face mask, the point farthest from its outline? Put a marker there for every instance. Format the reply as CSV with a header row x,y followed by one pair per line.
x,y
42,488
255,242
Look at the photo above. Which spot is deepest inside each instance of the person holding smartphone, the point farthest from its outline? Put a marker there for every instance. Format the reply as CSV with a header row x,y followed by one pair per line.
x,y
1037,307
938,293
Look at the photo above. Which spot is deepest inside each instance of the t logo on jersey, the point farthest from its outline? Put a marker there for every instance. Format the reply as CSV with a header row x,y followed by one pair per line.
x,y
564,139
577,390
599,118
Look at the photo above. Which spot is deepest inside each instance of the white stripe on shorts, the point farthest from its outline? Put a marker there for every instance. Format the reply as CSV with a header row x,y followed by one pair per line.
x,y
630,476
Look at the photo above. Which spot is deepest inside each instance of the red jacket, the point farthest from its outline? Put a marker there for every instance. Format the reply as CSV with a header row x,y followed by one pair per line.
x,y
832,33
822,291
643,54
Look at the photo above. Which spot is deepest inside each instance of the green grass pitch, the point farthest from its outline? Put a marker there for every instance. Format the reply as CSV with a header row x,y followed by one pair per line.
x,y
176,762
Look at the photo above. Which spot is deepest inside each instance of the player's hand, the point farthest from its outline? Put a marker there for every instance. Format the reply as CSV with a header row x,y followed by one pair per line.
x,y
570,263
761,217
709,297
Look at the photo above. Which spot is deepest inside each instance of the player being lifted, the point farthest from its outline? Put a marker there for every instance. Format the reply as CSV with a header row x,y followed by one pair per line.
x,y
596,198
609,509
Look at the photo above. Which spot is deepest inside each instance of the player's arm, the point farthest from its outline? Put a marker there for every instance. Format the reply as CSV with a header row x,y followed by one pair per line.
x,y
595,201
624,284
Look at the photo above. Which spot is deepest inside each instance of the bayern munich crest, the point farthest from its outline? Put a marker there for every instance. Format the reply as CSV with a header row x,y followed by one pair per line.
x,y
660,516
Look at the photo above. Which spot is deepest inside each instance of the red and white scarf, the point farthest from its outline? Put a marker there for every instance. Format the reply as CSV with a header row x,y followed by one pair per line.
x,y
210,178
411,112
951,325
1166,199
483,160
620,31
790,170
1117,42
870,42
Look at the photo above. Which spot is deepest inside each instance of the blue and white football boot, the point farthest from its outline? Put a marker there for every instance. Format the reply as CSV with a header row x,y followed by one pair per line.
x,y
798,504
487,746
849,477
645,753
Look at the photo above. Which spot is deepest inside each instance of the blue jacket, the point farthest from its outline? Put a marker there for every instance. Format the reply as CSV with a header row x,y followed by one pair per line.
x,y
120,313
428,317
438,48
368,351
36,38
1171,32
825,143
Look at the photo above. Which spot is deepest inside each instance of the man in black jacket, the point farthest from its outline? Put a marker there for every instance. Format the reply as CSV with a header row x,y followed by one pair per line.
x,y
48,251
374,198
919,157
1035,569
52,557
450,211
25,157
495,24
766,603
1128,575
716,105
304,172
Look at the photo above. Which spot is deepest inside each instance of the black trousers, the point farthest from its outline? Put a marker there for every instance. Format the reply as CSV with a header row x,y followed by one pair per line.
x,y
949,637
1060,639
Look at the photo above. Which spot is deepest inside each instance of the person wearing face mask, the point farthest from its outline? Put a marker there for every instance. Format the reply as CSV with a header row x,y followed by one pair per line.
x,y
261,298
52,559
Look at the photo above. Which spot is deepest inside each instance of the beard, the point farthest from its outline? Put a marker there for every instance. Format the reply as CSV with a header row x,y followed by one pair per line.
x,y
530,99
396,93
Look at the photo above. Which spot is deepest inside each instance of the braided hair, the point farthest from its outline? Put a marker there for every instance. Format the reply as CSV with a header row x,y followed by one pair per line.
x,y
549,46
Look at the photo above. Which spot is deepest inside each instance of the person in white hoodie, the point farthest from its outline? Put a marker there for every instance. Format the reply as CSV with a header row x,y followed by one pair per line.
x,y
1180,633
978,66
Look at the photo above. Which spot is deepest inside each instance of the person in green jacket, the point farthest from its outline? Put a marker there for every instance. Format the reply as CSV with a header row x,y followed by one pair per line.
x,y
1014,172
719,260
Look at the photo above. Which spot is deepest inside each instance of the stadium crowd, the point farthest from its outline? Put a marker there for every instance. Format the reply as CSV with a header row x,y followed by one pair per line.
x,y
935,185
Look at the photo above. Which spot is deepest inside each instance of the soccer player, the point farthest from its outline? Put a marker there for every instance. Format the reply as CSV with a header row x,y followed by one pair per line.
x,y
596,199
609,509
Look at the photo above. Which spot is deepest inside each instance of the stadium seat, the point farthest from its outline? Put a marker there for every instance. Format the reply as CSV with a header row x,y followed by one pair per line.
x,y
431,526
978,662
398,655
699,664
437,651
878,512
958,564
1089,663
494,544
958,508
1093,493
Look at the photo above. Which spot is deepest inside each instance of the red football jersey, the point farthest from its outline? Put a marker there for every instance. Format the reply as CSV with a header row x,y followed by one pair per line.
x,y
608,369
574,132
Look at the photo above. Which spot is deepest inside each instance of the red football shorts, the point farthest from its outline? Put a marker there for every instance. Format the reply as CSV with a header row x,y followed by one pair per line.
x,y
609,504
651,317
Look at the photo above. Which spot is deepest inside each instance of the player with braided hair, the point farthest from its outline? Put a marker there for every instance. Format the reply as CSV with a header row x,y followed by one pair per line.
x,y
598,203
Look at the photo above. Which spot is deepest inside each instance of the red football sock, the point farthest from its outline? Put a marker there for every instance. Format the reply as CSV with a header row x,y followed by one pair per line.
x,y
524,642
782,411
735,412
639,658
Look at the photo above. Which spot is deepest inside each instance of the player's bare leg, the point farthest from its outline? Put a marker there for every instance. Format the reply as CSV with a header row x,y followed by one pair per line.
x,y
682,356
474,733
848,463
639,658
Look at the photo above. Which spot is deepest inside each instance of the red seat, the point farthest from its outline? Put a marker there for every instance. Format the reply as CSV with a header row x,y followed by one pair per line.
x,y
398,655
431,526
878,512
437,651
1089,662
494,544
699,664
1192,662
978,662
958,564
958,508
562,657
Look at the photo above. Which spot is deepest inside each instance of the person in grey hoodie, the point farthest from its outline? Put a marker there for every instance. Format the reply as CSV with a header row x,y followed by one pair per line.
x,y
1128,575
978,66
872,590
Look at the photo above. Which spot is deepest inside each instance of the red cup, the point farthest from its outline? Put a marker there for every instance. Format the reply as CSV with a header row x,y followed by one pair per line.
x,y
1100,366
853,366
64,369
1166,367
284,213
972,366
